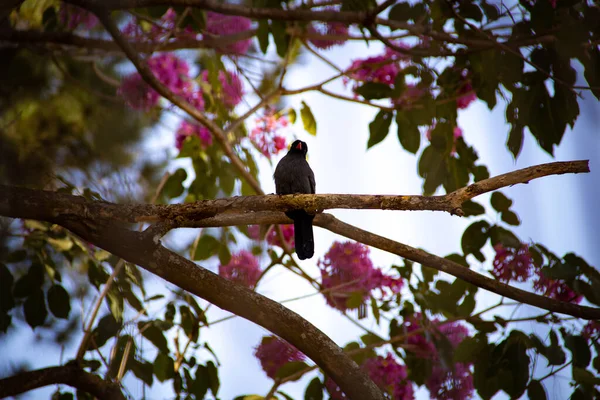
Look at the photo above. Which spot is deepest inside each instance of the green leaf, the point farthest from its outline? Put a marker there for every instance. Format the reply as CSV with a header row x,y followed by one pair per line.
x,y
59,302
291,368
164,367
580,351
474,238
199,386
35,308
314,390
142,370
471,208
61,244
189,322
308,120
280,37
554,352
408,132
207,247
213,376
262,34
96,274
503,236
510,218
174,184
432,167
401,12
151,332
32,11
500,202
379,127
375,90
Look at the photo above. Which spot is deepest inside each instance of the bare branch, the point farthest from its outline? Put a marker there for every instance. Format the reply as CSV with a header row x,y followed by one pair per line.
x,y
331,223
69,374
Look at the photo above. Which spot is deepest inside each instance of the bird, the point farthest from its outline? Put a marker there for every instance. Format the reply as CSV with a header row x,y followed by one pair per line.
x,y
294,175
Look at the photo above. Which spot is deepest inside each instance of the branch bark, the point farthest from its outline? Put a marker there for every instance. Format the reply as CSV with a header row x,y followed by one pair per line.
x,y
69,374
36,204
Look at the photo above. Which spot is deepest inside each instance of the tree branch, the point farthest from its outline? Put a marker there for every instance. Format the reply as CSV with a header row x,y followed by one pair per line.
x,y
331,223
35,204
30,37
69,374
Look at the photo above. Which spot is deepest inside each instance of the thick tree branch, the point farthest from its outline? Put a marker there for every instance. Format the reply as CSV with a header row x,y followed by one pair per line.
x,y
13,37
69,374
136,248
34,204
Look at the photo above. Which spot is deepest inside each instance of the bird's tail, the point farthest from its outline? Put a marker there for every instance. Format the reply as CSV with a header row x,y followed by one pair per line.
x,y
303,233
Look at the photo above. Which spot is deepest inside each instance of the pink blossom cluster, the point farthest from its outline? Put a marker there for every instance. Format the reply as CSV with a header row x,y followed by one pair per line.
x,y
172,72
466,95
555,288
242,268
273,353
347,269
386,373
73,17
266,134
327,29
377,69
409,96
232,89
273,236
591,330
187,129
160,30
224,25
444,383
512,264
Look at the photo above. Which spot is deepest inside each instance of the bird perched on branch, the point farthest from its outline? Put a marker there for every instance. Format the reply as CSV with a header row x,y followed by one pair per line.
x,y
293,175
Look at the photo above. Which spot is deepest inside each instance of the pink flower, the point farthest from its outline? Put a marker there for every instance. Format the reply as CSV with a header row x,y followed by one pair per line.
x,y
347,269
327,29
379,69
450,384
242,268
266,133
232,89
222,25
591,329
466,95
273,236
386,373
137,93
160,30
555,288
444,383
411,95
273,353
187,128
170,70
72,17
512,264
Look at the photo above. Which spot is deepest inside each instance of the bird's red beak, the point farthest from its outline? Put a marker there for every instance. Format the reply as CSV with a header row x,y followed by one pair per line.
x,y
299,146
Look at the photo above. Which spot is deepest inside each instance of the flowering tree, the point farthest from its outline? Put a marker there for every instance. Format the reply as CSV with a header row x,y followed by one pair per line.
x,y
220,69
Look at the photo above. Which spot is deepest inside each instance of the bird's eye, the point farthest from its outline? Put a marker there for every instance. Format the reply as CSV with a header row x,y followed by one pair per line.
x,y
299,146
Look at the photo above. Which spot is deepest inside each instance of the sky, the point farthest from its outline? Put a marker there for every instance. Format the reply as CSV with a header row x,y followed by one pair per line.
x,y
557,211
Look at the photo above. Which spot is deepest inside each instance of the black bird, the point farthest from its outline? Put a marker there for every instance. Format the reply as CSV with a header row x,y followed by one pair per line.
x,y
293,175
